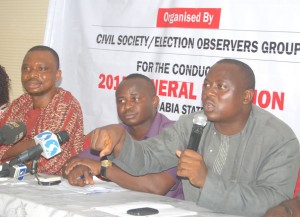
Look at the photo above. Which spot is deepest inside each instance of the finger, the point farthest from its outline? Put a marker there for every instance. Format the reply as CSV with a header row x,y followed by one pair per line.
x,y
181,172
178,153
101,141
88,177
94,138
76,181
98,143
106,146
81,182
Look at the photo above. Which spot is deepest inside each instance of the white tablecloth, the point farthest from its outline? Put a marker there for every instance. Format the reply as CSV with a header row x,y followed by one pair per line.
x,y
27,198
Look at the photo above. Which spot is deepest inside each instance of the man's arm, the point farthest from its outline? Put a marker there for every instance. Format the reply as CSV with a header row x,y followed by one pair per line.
x,y
18,148
157,183
155,154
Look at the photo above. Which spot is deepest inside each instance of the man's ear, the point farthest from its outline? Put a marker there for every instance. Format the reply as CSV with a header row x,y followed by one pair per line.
x,y
248,96
155,101
58,75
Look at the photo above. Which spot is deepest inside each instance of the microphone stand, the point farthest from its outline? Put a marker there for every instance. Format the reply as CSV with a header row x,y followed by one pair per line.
x,y
33,170
40,179
34,165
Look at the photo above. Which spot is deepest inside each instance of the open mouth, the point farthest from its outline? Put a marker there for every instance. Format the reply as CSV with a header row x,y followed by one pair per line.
x,y
208,107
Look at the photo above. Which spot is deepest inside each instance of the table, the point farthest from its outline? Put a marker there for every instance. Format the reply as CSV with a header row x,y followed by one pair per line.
x,y
28,198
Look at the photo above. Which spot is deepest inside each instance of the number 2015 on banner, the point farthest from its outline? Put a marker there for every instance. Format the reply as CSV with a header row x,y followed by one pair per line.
x,y
109,82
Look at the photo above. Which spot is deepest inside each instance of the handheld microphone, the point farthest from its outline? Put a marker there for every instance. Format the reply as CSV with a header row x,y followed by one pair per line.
x,y
47,144
16,171
199,122
12,132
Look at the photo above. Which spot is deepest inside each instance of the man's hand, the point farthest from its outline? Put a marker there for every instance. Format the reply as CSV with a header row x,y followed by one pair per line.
x,y
65,166
108,139
278,211
94,166
80,176
191,165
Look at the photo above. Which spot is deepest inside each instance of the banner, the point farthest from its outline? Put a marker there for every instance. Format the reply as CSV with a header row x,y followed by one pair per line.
x,y
175,43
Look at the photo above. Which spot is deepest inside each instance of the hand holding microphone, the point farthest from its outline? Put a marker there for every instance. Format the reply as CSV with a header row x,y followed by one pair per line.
x,y
47,145
199,122
191,164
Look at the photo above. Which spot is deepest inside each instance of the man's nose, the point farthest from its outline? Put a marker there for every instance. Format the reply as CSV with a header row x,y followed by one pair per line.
x,y
128,104
34,73
211,90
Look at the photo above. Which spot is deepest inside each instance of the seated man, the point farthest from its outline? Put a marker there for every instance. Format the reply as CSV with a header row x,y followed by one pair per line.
x,y
44,107
247,160
137,104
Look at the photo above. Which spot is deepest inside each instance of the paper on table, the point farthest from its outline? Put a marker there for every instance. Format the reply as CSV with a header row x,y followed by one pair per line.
x,y
164,209
98,187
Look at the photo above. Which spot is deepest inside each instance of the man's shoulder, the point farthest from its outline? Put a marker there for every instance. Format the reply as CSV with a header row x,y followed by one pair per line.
x,y
21,100
164,120
184,121
263,116
267,122
67,96
188,117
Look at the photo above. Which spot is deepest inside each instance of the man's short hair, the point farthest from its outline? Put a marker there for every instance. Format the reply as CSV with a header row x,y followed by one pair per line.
x,y
46,48
248,72
141,76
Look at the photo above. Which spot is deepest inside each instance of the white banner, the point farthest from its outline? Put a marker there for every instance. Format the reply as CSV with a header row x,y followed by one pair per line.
x,y
175,43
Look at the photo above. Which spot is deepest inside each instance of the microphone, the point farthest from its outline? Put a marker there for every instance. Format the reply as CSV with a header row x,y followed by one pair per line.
x,y
199,122
12,132
47,145
16,171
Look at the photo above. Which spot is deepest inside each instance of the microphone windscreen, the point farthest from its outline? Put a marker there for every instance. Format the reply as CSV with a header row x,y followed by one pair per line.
x,y
12,132
4,173
200,118
62,136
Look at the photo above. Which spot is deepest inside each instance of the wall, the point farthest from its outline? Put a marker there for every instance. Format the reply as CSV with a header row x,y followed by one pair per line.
x,y
22,24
